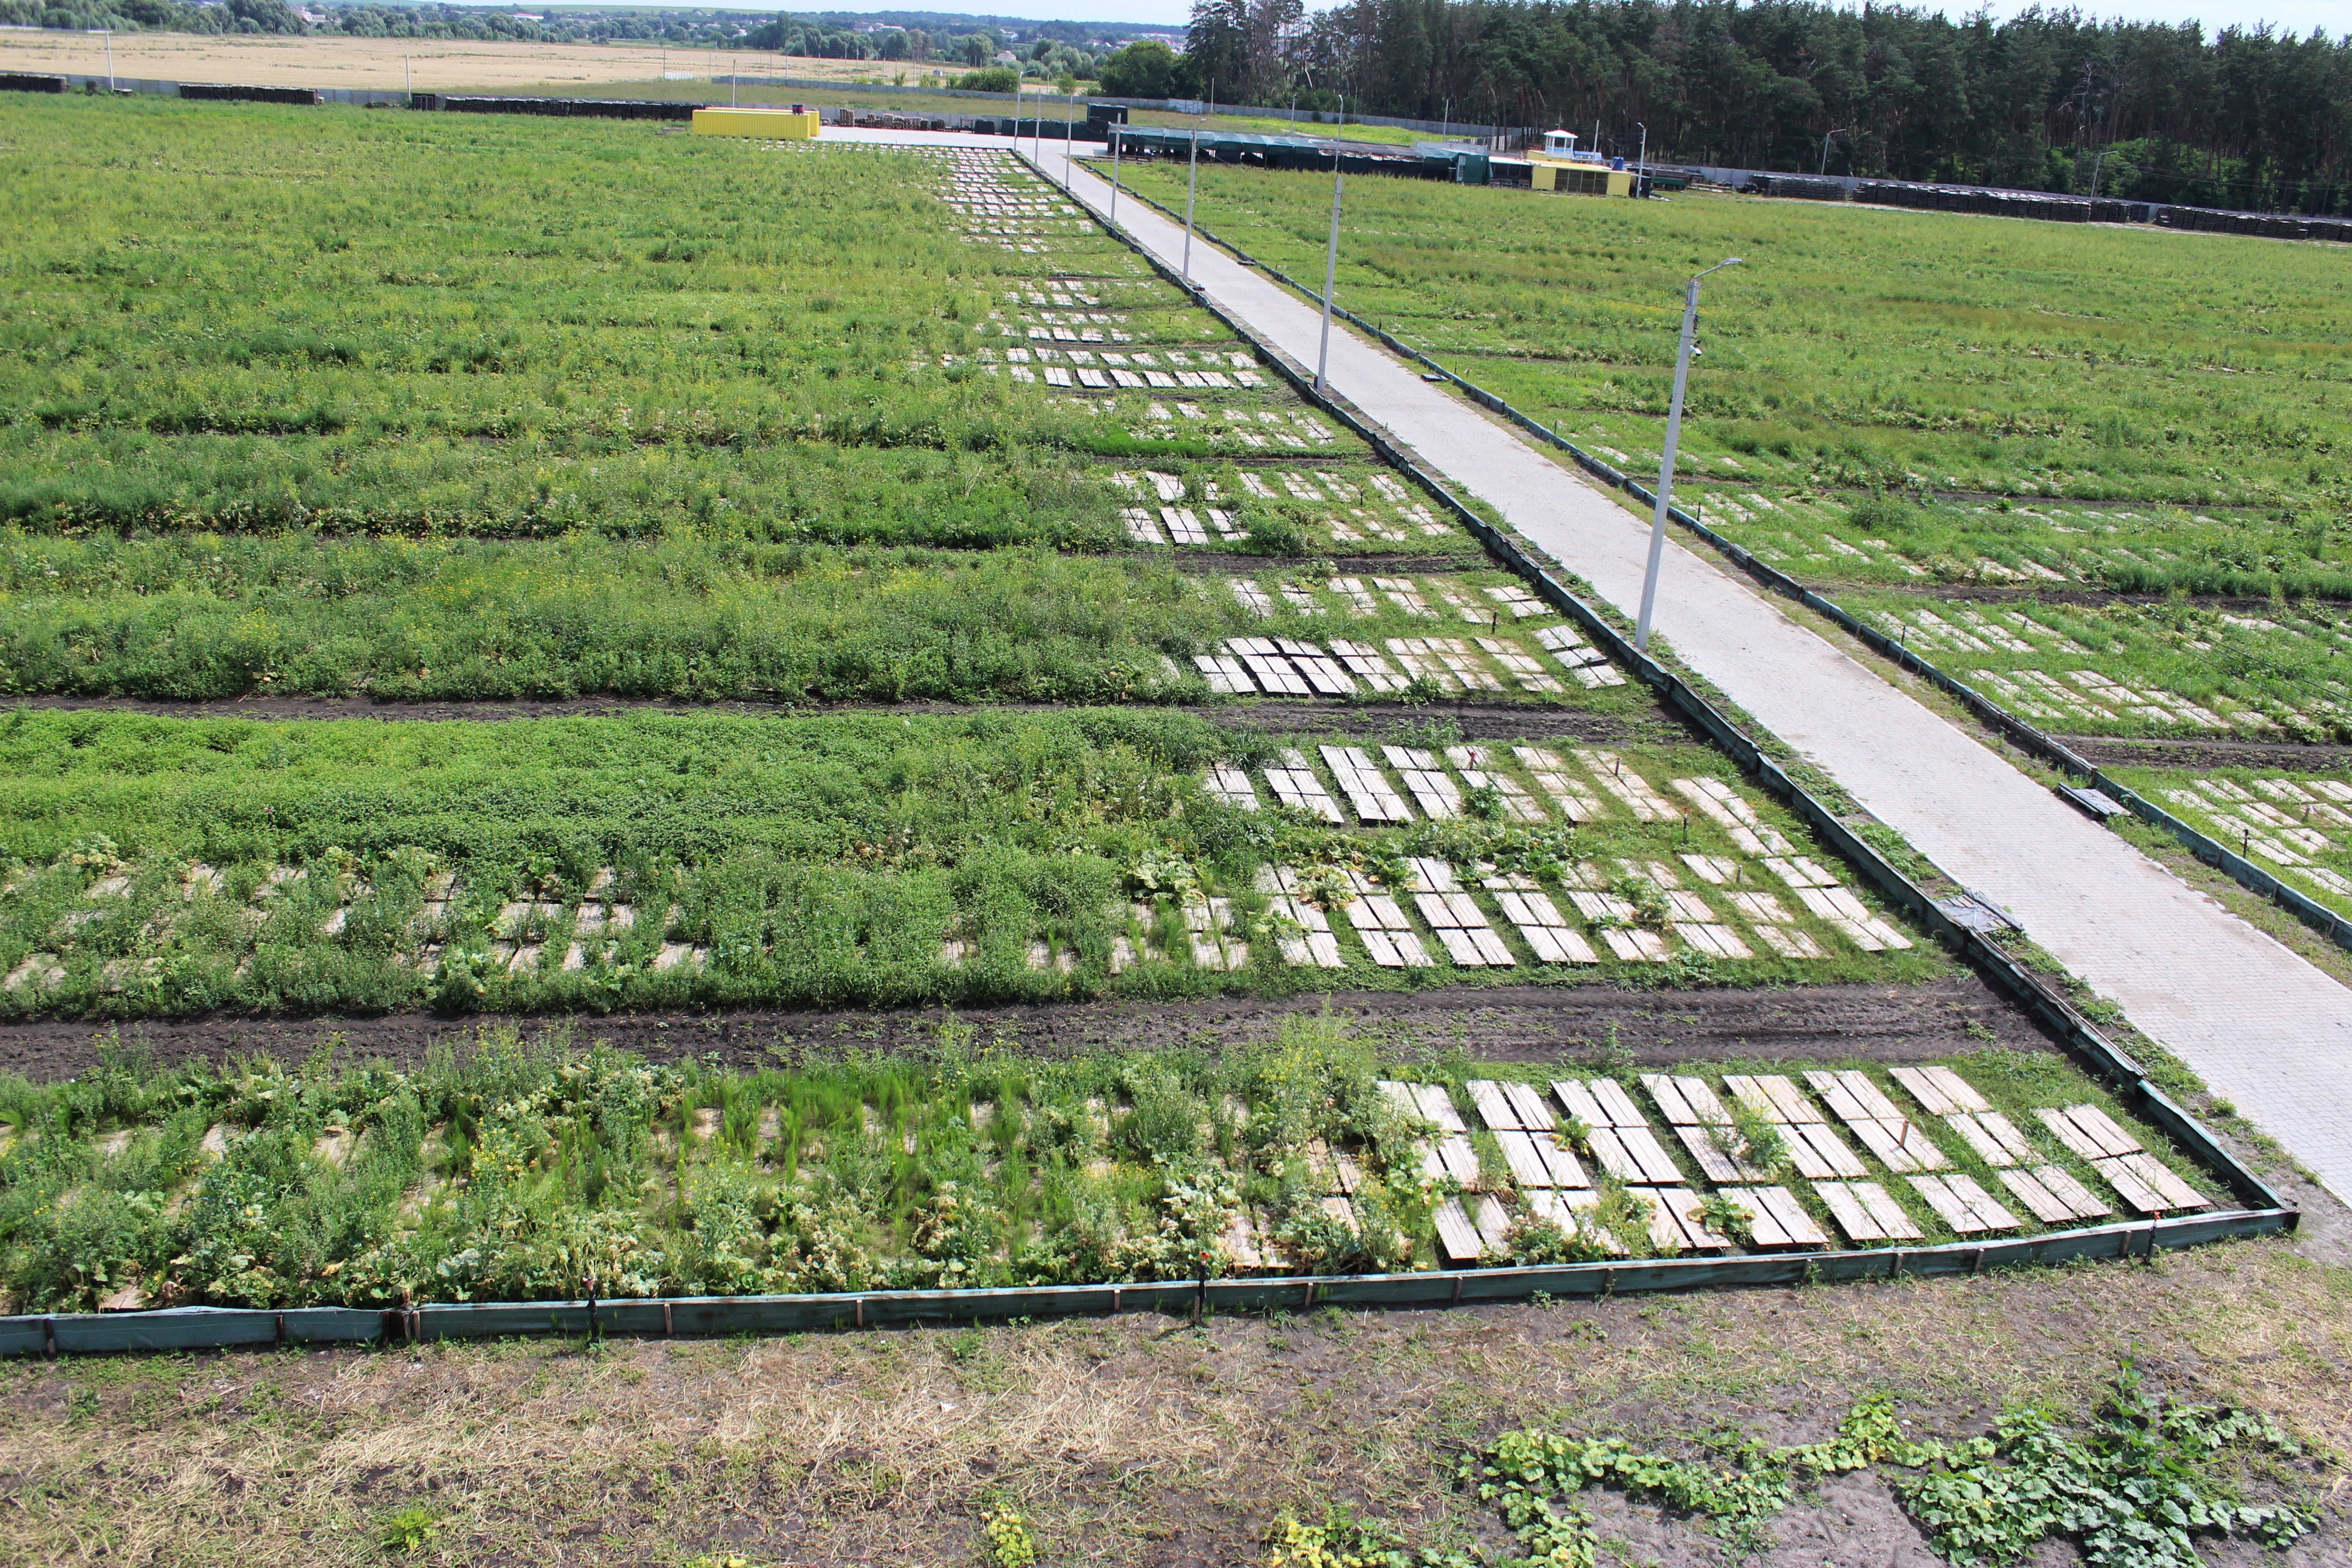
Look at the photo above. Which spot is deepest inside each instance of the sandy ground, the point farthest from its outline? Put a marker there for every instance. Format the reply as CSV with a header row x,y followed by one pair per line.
x,y
435,64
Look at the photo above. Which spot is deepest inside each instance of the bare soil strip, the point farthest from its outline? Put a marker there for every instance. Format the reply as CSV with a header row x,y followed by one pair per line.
x,y
1508,1023
2110,752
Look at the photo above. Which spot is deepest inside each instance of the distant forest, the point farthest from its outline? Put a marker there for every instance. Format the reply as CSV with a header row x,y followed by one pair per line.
x,y
2052,100
2246,118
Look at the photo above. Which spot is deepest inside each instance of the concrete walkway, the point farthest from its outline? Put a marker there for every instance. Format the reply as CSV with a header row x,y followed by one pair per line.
x,y
2263,1028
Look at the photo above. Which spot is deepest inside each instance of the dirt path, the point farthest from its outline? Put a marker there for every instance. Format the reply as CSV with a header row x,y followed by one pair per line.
x,y
1128,1440
1515,1023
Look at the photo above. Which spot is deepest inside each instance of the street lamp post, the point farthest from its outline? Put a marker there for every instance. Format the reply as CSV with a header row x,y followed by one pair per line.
x,y
1191,184
1069,106
1330,256
1825,150
1666,467
1641,162
110,59
1112,132
1445,119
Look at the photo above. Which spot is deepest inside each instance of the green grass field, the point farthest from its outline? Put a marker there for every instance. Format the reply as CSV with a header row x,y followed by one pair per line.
x,y
506,1174
169,867
1897,407
2297,825
1857,347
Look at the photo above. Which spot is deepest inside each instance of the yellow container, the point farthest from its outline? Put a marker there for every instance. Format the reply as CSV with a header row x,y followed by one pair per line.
x,y
771,124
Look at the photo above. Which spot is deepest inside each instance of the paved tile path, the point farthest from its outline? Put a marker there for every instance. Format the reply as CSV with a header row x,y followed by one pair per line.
x,y
2263,1028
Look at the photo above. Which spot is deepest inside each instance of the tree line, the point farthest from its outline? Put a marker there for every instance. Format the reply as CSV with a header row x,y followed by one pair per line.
x,y
2052,100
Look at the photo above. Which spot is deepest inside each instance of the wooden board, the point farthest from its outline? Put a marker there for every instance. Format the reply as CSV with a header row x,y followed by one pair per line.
x,y
1666,1229
2101,1129
1714,1164
1791,1216
1657,1165
1979,1139
1578,1102
1611,1154
1763,1224
1957,1090
1338,1212
2166,1180
1494,1107
1925,1089
1619,1106
2039,1200
1685,1204
2127,1182
1847,1210
1572,1211
1457,1237
1789,1100
1817,1151
1533,1114
1461,1159
1884,1141
1988,1212
1352,1175
1670,1099
2060,1184
1702,1101
1896,1225
2062,1127
2005,1133
1438,1106
1835,1092
1566,1171
1492,1220
1399,1094
1528,1167
1949,1207
1749,1092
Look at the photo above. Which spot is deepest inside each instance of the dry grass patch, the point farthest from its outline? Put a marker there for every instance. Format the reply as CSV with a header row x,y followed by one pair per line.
x,y
1129,1439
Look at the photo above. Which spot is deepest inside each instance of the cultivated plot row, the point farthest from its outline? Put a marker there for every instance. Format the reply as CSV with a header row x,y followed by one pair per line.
x,y
494,1177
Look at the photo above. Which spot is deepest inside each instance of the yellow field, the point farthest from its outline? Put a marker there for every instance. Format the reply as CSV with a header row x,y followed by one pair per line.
x,y
426,65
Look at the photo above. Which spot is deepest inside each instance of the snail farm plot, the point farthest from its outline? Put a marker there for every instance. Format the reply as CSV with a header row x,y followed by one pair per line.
x,y
538,410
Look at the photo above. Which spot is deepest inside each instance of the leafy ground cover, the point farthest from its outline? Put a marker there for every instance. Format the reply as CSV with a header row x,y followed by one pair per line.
x,y
1896,408
508,329
163,866
1858,347
502,1173
2295,825
181,617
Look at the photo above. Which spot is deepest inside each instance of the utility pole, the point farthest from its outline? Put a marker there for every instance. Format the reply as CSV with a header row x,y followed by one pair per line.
x,y
1666,469
1112,132
110,59
1641,162
1445,119
1191,184
1070,106
1330,256
730,81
